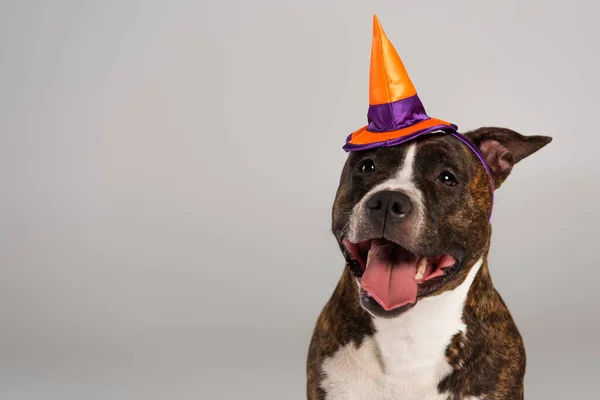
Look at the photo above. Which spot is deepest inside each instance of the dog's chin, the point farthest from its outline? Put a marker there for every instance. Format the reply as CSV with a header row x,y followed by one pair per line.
x,y
395,278
375,309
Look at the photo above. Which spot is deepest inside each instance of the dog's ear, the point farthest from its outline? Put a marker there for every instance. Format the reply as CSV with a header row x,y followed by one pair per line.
x,y
503,148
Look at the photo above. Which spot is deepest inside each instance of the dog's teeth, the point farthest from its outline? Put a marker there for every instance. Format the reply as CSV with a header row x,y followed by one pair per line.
x,y
421,266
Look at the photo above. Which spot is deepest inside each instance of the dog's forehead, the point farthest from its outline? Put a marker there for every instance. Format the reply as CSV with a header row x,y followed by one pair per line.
x,y
440,142
430,150
389,156
443,149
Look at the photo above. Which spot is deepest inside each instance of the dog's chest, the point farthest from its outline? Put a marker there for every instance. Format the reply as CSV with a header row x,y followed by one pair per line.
x,y
359,373
406,358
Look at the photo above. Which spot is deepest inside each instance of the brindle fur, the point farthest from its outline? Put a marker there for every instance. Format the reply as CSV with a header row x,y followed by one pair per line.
x,y
489,359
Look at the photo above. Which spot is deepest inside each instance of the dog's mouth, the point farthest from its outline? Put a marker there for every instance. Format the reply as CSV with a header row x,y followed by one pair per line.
x,y
394,277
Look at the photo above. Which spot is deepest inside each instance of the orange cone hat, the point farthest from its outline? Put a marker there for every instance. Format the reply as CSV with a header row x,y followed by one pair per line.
x,y
396,113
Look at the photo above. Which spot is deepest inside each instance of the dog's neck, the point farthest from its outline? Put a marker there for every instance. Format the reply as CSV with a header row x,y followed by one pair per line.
x,y
419,337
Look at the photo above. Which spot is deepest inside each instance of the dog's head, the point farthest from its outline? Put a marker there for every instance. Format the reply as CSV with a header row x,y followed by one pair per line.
x,y
411,220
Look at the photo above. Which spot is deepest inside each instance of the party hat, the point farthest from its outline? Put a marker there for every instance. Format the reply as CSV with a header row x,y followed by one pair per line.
x,y
396,113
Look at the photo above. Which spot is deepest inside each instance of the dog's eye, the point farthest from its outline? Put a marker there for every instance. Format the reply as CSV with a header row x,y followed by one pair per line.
x,y
448,179
366,167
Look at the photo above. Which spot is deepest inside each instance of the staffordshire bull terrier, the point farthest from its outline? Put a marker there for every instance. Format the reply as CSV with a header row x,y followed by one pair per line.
x,y
415,315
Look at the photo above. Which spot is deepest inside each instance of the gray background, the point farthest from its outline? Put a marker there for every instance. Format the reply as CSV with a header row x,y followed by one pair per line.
x,y
167,171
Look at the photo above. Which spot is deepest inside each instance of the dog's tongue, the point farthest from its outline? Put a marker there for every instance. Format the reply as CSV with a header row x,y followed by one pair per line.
x,y
390,275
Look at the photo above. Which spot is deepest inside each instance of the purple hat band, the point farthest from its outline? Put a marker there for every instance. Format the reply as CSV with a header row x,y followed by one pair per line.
x,y
475,150
397,115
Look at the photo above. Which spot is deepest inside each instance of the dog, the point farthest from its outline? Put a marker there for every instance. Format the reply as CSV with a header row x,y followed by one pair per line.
x,y
415,314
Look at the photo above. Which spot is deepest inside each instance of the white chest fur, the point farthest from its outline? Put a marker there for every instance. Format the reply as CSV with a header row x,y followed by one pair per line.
x,y
405,359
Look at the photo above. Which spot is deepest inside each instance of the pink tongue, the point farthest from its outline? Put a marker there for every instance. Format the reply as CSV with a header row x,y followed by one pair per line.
x,y
390,276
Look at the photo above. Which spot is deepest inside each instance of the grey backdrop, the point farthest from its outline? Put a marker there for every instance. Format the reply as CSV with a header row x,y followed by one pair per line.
x,y
167,171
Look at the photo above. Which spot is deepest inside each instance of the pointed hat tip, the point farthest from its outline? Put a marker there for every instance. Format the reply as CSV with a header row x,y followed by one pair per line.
x,y
378,31
376,23
389,81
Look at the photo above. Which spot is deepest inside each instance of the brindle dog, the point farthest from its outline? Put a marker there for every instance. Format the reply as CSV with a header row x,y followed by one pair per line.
x,y
413,206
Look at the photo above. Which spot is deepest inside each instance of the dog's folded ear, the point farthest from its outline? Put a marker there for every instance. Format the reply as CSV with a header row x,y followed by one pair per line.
x,y
502,148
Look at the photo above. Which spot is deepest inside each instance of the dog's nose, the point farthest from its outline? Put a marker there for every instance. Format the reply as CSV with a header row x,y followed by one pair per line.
x,y
389,202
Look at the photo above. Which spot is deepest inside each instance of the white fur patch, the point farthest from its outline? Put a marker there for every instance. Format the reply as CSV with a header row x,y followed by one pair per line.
x,y
401,181
405,359
405,173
